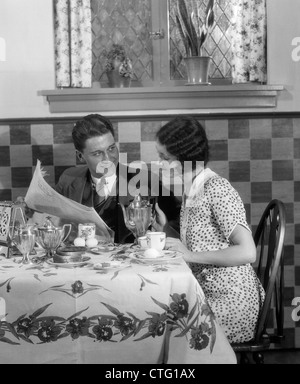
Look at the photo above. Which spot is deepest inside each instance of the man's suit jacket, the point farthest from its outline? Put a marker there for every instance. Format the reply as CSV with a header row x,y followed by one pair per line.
x,y
76,184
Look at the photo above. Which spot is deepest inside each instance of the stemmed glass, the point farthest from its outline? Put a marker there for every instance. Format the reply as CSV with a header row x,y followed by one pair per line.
x,y
24,239
10,240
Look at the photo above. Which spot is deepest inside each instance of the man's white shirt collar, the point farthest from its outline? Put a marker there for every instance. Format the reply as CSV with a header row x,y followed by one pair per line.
x,y
109,182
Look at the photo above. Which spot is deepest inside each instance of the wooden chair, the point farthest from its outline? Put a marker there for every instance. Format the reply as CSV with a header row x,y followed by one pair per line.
x,y
269,240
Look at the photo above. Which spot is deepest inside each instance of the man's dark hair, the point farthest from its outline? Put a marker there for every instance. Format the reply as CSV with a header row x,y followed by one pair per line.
x,y
90,126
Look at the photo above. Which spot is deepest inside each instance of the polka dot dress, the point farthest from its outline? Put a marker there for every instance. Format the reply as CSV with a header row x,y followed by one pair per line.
x,y
233,293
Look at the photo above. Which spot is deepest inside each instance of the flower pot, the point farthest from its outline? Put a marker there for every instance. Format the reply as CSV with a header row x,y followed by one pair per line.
x,y
115,80
197,69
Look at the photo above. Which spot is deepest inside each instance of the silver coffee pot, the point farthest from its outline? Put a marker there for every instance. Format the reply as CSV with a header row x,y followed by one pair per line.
x,y
50,237
138,216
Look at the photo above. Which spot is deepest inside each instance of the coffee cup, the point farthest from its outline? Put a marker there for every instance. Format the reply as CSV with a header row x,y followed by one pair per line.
x,y
156,240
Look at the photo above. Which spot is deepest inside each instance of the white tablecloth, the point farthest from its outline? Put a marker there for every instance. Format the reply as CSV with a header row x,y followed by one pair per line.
x,y
138,314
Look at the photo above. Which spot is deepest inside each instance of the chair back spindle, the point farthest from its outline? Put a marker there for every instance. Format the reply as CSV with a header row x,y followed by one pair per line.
x,y
269,240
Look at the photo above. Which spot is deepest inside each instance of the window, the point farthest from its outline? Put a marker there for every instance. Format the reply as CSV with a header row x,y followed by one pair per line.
x,y
147,30
128,23
217,44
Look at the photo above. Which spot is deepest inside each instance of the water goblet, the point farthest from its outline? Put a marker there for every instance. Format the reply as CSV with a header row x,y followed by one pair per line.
x,y
10,241
24,239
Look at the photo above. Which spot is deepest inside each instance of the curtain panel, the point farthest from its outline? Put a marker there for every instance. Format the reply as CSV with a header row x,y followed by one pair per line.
x,y
249,41
73,43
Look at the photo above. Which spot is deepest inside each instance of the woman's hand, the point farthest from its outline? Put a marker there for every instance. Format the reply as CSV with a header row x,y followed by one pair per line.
x,y
160,220
173,244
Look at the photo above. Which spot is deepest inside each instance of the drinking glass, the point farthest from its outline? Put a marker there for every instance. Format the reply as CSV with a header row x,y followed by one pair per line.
x,y
10,241
24,238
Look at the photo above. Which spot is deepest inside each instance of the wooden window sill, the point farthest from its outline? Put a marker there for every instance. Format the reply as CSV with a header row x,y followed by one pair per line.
x,y
161,98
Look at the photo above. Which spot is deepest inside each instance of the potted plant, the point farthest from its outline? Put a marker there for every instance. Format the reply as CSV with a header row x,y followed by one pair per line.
x,y
118,67
193,32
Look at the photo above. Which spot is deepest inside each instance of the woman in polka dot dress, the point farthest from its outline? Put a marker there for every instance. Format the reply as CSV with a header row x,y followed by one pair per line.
x,y
215,238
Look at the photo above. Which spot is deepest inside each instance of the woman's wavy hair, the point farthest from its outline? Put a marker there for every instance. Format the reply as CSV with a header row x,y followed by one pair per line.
x,y
185,138
90,126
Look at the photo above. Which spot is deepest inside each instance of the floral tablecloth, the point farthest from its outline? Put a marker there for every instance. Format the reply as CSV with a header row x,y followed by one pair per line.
x,y
139,313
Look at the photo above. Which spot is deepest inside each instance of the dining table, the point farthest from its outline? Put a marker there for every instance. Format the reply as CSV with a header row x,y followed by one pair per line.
x,y
115,306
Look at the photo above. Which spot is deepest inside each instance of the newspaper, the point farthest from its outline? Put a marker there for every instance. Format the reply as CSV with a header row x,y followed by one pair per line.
x,y
42,198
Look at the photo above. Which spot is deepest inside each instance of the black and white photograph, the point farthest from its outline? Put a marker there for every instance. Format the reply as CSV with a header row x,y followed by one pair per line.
x,y
150,185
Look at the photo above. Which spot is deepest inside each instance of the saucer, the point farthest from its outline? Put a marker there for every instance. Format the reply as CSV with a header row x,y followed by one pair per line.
x,y
75,264
164,256
102,249
108,266
198,83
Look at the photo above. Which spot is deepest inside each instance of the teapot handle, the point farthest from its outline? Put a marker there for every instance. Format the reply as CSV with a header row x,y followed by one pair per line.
x,y
69,231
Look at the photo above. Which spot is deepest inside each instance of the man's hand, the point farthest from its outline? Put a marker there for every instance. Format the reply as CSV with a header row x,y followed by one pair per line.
x,y
28,211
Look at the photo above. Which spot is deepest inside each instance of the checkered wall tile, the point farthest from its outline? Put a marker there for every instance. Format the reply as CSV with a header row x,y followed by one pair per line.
x,y
259,156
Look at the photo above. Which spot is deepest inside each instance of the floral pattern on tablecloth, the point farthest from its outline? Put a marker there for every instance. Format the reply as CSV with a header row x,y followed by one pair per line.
x,y
42,270
192,320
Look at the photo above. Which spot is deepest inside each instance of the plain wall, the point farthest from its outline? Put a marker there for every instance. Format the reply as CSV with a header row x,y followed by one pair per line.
x,y
283,28
27,27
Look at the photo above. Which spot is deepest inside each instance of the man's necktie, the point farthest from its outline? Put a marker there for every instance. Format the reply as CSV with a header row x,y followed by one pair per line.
x,y
102,190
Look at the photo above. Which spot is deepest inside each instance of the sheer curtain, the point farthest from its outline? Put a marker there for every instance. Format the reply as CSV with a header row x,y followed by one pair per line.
x,y
73,43
249,41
